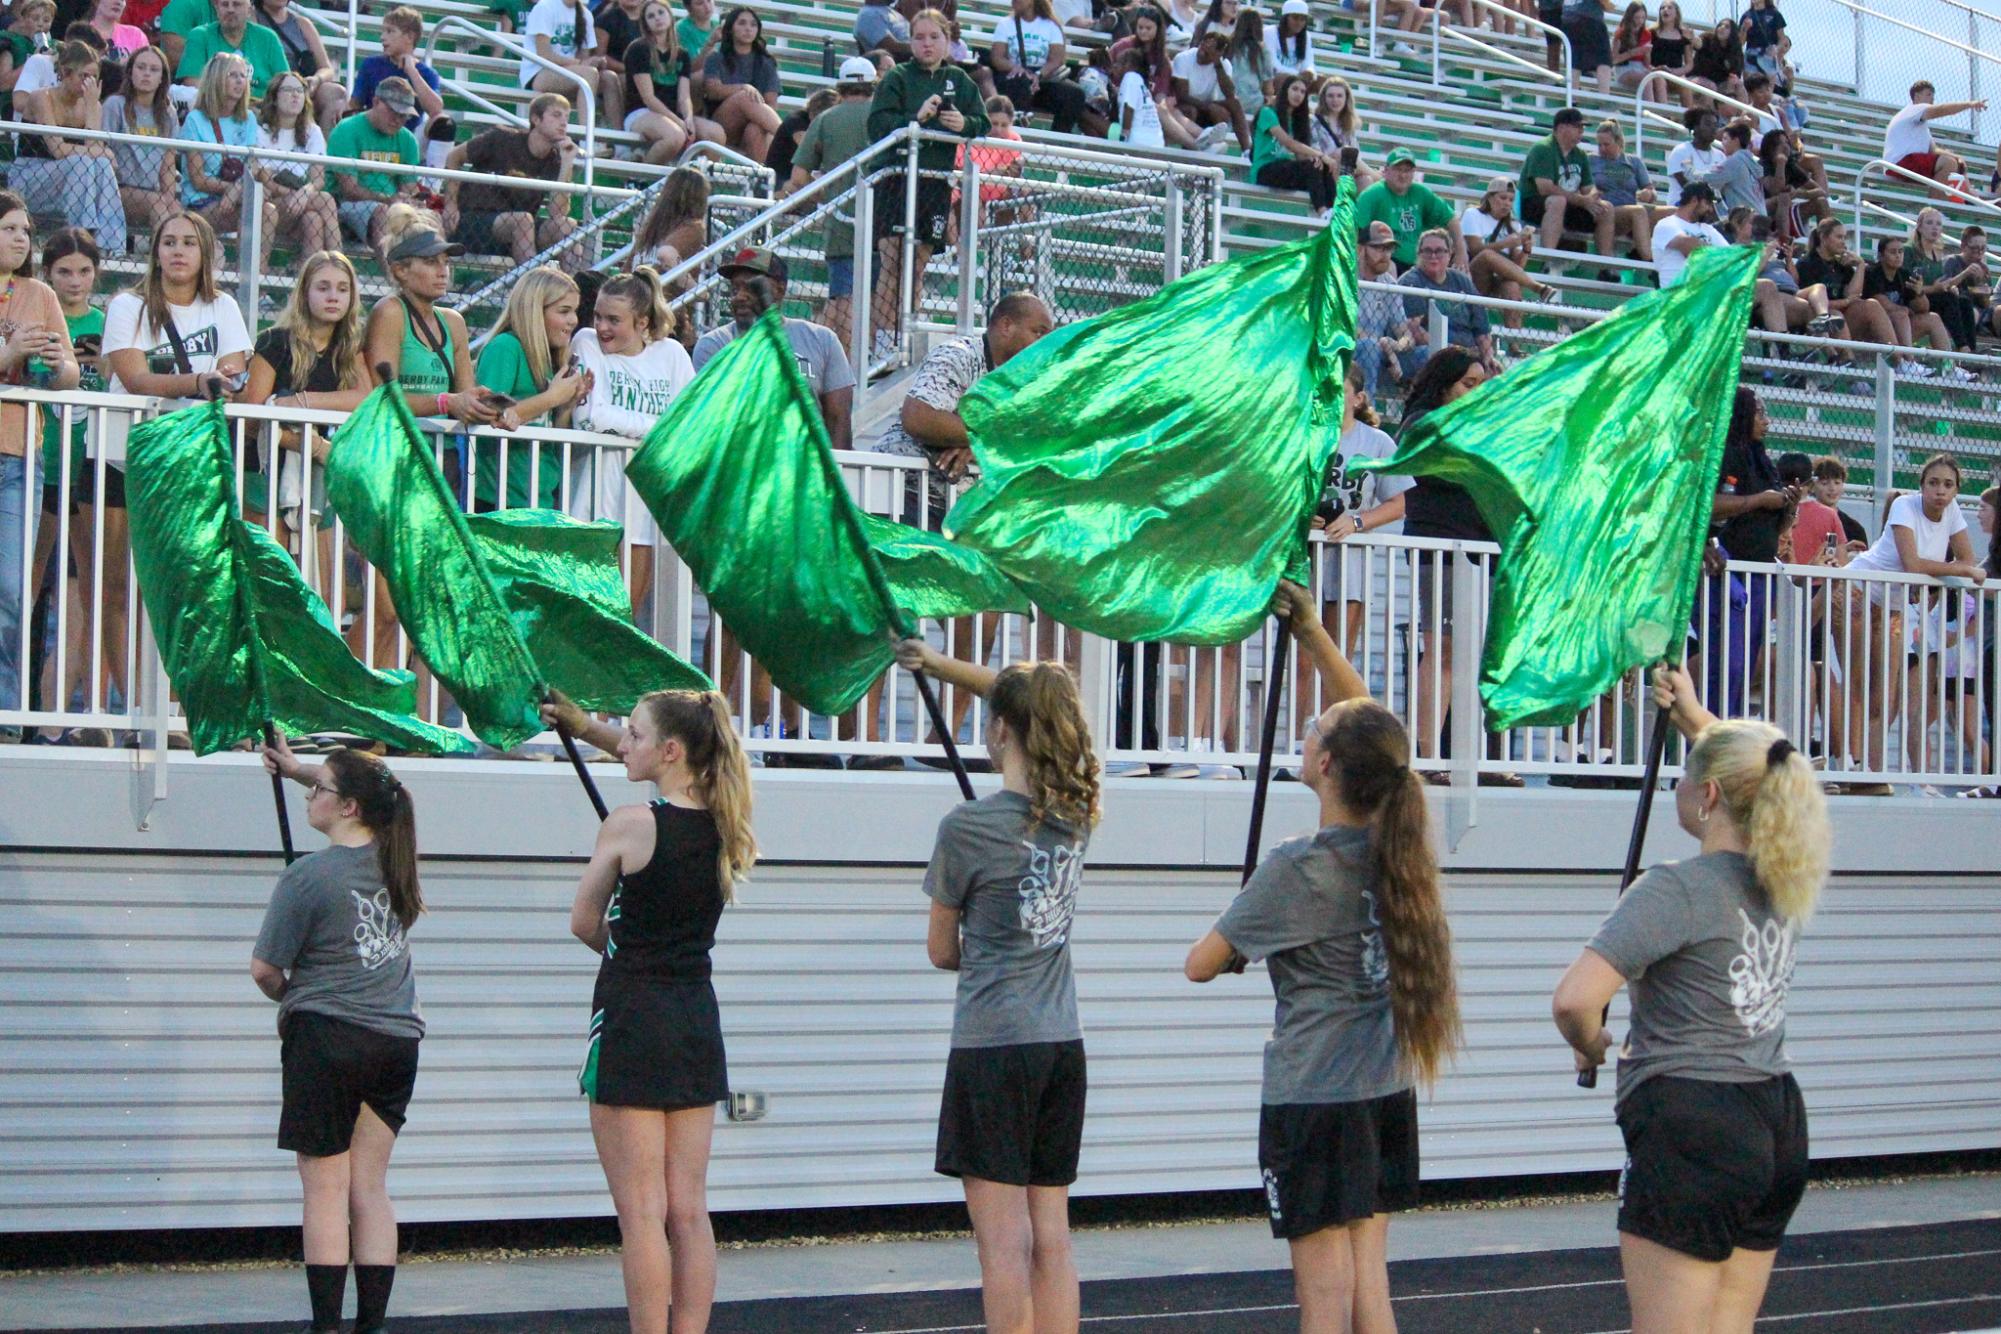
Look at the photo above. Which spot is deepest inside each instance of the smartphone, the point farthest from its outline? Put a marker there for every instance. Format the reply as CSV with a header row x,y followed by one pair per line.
x,y
1350,155
234,383
499,401
290,179
1830,545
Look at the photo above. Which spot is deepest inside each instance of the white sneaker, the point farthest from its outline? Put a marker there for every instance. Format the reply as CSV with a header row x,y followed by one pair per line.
x,y
1955,371
1916,369
1215,138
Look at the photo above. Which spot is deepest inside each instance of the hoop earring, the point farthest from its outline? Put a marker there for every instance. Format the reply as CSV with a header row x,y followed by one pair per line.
x,y
1702,817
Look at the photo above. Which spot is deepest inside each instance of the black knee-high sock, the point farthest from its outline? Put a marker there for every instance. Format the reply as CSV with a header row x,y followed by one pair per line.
x,y
371,1295
327,1284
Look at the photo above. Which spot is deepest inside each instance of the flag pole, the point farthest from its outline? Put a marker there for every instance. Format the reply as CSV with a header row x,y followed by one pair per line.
x,y
278,797
1274,686
1657,738
943,728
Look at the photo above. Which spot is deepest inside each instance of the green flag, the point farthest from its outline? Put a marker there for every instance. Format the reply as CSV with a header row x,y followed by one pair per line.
x,y
242,637
502,606
1150,473
1594,463
740,474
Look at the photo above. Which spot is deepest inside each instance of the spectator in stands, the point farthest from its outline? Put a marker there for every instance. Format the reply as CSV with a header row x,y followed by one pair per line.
x,y
1829,263
1205,93
563,33
1251,68
880,27
121,39
740,85
1792,200
233,34
1139,115
71,179
1697,158
999,203
837,136
1750,510
1291,43
176,20
211,183
1830,479
1027,63
1359,502
826,367
1556,186
1784,304
1788,117
697,30
1907,142
619,24
1219,14
1497,247
1897,290
148,178
35,350
1817,526
1282,152
306,213
1409,208
1765,40
1149,37
306,56
1336,130
678,225
1739,181
1632,52
378,135
1671,50
1979,289
785,143
28,25
1382,335
402,30
1718,62
660,89
1622,178
1433,280
527,361
1685,231
1583,22
1927,257
499,219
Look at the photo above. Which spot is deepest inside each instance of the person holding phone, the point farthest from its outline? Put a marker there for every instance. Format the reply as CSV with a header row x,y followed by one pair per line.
x,y
1714,1125
527,369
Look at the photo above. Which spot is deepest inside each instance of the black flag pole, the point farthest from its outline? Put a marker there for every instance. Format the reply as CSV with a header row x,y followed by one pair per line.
x,y
1274,686
278,798
577,762
944,730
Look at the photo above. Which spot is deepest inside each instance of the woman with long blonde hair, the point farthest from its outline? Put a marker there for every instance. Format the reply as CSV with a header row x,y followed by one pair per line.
x,y
1351,922
527,360
212,183
1715,1130
654,1068
1003,885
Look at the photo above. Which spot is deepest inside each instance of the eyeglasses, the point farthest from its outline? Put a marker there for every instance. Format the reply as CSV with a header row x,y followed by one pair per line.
x,y
318,788
1432,250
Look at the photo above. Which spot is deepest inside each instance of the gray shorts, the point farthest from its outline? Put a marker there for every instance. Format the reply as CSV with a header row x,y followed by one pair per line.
x,y
357,215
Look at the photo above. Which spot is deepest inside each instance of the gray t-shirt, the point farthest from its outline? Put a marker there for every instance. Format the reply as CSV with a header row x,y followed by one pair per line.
x,y
817,350
1016,890
1464,324
329,925
1310,911
1708,964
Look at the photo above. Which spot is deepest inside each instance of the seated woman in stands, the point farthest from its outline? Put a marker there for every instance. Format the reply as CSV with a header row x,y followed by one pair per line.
x,y
306,214
660,88
1497,246
678,225
740,85
1282,151
1898,291
562,33
1671,51
1334,130
149,179
1829,264
1149,36
72,179
1718,62
527,359
212,183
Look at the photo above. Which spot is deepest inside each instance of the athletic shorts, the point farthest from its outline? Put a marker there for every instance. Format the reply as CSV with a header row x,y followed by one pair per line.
x,y
1712,1167
654,1043
1576,218
1924,164
840,276
332,1069
1013,1114
83,490
1331,1163
358,215
934,208
475,230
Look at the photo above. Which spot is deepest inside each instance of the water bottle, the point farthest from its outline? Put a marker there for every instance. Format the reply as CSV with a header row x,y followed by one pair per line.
x,y
827,58
41,375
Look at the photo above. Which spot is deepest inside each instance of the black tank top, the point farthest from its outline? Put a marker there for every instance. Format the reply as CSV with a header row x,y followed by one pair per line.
x,y
663,916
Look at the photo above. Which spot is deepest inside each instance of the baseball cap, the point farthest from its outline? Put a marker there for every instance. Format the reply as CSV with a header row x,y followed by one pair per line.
x,y
423,243
754,260
1500,183
1294,7
1400,155
858,69
397,95
1378,233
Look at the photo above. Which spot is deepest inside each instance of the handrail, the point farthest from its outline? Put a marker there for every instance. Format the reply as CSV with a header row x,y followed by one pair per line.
x,y
724,153
1892,169
1686,85
332,25
1972,52
587,102
1547,29
1439,32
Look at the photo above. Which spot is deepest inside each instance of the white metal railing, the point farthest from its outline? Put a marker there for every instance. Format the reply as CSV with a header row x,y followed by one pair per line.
x,y
1861,15
1892,170
1440,31
1641,112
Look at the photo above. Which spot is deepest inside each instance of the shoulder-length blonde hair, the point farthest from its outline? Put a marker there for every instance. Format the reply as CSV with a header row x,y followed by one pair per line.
x,y
343,340
538,289
152,285
210,93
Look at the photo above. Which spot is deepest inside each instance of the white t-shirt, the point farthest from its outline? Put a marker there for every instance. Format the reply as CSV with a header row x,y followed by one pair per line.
x,y
1203,84
38,72
209,330
1035,38
316,142
628,394
1360,492
1134,94
1673,263
1686,160
1908,133
1282,61
569,31
1067,11
1934,540
1477,224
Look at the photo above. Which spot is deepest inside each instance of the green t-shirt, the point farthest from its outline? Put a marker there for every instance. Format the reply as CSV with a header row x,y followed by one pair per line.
x,y
838,134
1570,171
86,335
354,137
1410,215
261,48
1264,143
693,39
503,368
182,17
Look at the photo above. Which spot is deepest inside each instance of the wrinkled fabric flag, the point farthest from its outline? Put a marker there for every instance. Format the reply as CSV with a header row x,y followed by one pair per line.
x,y
1150,473
501,608
1594,463
243,638
742,478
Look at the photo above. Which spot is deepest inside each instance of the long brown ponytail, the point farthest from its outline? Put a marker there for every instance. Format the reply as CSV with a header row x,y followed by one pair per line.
x,y
383,806
1039,703
700,721
1370,752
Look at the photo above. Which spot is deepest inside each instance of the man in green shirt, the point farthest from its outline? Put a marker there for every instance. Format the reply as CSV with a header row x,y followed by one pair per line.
x,y
176,21
1556,187
1409,209
234,34
836,135
376,135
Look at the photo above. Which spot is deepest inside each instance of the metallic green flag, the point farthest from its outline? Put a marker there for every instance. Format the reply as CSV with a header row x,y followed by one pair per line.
x,y
502,607
1594,463
1150,473
740,474
243,639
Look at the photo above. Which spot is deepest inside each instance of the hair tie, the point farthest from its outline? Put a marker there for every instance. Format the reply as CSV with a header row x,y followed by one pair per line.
x,y
1778,753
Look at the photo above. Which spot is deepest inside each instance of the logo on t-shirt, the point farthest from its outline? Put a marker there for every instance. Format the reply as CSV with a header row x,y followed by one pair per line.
x,y
1375,958
160,358
1048,891
378,936
1760,975
630,392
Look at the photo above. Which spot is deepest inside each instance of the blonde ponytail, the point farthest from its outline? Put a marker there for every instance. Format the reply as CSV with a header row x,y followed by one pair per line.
x,y
700,720
1040,705
1771,794
643,292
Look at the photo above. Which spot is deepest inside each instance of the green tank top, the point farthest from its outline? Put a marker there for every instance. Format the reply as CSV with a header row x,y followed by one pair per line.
x,y
425,369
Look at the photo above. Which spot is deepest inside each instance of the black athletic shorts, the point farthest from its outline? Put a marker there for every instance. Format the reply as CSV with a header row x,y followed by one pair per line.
x,y
1711,1167
1013,1114
475,230
934,207
654,1043
1330,1163
1576,217
333,1068
83,490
